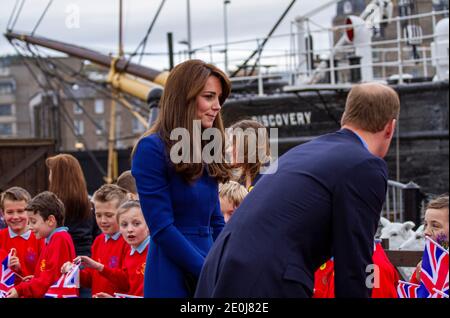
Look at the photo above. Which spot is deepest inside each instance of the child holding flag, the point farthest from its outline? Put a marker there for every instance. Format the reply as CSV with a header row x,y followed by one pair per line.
x,y
134,230
17,237
430,280
436,227
46,217
109,248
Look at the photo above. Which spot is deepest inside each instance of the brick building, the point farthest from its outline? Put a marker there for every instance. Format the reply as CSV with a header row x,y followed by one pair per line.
x,y
77,116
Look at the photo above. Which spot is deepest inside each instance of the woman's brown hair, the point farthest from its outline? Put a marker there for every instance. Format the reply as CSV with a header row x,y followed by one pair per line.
x,y
68,183
178,109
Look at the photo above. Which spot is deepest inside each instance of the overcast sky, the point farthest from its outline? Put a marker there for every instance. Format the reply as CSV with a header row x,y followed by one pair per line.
x,y
98,23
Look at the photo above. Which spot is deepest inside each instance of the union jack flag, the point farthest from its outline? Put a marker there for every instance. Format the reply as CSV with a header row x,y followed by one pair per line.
x,y
67,286
434,275
408,290
7,277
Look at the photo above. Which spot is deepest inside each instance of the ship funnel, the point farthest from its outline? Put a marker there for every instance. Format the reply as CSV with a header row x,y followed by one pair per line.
x,y
359,35
439,50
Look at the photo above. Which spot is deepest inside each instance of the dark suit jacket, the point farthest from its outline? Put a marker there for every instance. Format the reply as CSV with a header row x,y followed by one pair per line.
x,y
324,200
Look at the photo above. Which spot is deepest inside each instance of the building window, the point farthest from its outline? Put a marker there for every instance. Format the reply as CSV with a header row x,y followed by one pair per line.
x,y
79,127
138,127
101,123
77,110
101,144
6,129
6,88
6,110
99,106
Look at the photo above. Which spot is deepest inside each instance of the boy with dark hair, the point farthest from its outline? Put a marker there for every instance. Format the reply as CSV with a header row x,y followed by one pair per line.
x,y
46,218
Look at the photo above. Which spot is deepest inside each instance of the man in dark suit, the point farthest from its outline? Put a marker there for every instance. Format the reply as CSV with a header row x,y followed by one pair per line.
x,y
323,201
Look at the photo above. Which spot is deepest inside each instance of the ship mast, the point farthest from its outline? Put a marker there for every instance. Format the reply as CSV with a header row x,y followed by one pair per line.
x,y
112,172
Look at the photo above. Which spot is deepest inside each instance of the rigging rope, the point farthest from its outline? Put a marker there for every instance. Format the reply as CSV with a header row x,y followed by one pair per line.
x,y
17,15
42,16
58,96
10,17
144,40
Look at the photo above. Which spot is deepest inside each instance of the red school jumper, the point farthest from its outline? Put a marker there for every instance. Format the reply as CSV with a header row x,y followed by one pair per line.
x,y
324,277
130,278
27,246
58,249
109,251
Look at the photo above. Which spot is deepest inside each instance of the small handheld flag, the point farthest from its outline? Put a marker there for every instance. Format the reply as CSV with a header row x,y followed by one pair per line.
x,y
7,277
67,286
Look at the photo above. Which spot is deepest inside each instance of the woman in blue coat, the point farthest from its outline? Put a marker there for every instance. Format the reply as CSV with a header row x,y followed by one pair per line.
x,y
180,198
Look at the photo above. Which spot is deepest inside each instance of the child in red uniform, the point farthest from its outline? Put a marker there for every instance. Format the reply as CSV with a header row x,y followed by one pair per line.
x,y
17,236
387,277
109,248
436,227
129,278
46,217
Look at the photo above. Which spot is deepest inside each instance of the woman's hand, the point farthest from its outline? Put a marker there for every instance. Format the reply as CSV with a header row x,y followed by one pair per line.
x,y
89,262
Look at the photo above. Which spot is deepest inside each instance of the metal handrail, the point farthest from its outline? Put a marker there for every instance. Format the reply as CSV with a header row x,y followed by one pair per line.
x,y
394,210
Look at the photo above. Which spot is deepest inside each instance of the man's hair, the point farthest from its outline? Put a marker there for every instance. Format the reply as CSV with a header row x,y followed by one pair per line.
x,y
109,192
126,181
14,194
46,204
440,202
127,206
233,191
371,106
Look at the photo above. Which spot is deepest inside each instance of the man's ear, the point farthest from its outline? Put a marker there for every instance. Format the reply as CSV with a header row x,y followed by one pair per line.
x,y
390,128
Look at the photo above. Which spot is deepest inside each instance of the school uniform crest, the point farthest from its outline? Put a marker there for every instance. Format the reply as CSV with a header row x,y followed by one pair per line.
x,y
42,266
31,255
113,262
141,269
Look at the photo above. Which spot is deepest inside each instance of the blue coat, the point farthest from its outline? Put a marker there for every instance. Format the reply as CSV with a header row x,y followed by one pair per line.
x,y
324,200
183,219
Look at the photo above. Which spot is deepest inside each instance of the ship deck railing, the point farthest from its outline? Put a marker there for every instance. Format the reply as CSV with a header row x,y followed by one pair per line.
x,y
404,202
390,57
